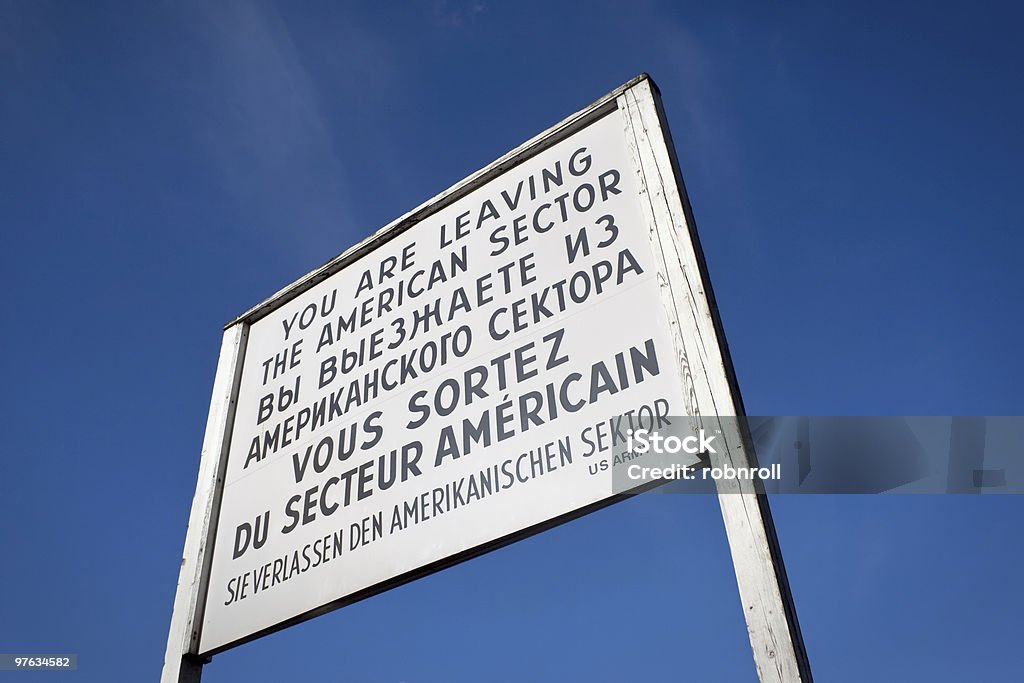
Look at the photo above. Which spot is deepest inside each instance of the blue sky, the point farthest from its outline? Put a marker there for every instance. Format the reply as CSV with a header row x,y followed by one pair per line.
x,y
855,175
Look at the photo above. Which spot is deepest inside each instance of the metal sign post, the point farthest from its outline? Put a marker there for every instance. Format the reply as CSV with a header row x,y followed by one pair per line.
x,y
285,526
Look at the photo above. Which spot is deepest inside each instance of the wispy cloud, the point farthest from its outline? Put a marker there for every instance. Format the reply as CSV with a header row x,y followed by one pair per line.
x,y
259,117
454,13
696,87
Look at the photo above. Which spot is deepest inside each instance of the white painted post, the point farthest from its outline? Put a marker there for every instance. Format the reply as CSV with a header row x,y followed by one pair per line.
x,y
180,663
709,382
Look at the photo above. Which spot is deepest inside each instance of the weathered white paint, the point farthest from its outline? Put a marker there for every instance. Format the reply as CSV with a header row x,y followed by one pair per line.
x,y
180,666
711,390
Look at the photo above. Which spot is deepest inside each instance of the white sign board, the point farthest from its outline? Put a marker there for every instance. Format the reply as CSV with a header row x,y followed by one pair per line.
x,y
464,378
449,389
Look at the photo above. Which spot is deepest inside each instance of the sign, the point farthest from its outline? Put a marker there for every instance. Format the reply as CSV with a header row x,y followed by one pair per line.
x,y
464,378
452,387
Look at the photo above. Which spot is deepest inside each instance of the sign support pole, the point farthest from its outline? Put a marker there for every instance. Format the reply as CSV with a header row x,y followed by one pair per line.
x,y
710,388
181,665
